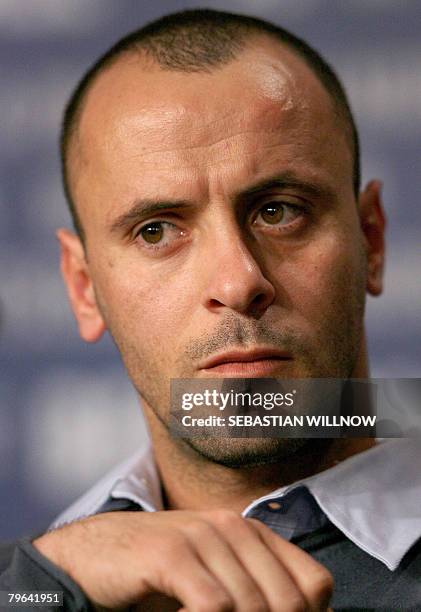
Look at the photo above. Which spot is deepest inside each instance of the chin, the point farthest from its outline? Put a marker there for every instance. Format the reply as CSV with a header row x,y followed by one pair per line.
x,y
245,452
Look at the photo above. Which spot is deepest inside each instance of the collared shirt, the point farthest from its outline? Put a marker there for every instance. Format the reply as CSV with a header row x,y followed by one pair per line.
x,y
373,497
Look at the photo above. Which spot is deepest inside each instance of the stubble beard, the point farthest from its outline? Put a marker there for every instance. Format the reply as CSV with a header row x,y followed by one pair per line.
x,y
335,357
243,453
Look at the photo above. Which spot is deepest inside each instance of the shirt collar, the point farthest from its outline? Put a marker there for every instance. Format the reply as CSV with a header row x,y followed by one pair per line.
x,y
373,497
136,479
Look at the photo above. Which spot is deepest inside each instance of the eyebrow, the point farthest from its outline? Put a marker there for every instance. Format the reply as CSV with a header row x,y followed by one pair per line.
x,y
289,180
145,208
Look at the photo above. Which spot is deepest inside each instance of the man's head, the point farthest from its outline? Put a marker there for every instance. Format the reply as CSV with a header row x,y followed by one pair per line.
x,y
216,187
196,41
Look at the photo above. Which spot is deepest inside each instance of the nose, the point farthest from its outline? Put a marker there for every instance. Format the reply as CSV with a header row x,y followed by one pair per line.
x,y
234,278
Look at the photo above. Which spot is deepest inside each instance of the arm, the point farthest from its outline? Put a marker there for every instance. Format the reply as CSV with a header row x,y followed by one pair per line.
x,y
24,568
209,561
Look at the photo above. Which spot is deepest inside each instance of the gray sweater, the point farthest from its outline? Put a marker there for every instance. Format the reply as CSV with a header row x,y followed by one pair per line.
x,y
361,581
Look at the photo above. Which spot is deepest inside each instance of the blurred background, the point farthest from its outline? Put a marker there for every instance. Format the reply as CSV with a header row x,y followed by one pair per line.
x,y
67,411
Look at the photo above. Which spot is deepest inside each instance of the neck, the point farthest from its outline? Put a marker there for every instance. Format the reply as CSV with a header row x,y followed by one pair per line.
x,y
191,482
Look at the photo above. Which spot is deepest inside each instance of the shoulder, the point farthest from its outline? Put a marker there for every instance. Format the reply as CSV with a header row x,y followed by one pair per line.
x,y
91,501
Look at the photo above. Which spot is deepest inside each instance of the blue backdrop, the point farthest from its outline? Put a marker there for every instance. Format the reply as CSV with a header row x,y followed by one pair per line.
x,y
67,411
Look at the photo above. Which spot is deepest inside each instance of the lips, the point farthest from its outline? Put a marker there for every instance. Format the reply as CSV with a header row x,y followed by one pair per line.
x,y
256,362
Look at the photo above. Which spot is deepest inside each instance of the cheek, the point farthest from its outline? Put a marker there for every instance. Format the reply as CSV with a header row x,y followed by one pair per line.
x,y
146,306
324,279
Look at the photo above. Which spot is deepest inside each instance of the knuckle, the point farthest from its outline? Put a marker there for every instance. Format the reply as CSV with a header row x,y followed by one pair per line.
x,y
256,605
219,602
297,605
261,529
258,524
199,528
224,517
174,547
252,600
321,586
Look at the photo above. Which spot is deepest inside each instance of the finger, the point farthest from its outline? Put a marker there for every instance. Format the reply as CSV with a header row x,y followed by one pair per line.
x,y
218,555
314,581
278,588
186,578
156,602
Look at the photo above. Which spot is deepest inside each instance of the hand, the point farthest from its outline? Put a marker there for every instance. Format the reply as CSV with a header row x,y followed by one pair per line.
x,y
213,561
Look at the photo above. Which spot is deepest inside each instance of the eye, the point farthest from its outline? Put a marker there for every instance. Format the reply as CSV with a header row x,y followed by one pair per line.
x,y
152,232
157,234
278,214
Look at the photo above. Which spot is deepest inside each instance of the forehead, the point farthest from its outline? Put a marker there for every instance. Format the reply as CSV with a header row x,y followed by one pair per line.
x,y
139,116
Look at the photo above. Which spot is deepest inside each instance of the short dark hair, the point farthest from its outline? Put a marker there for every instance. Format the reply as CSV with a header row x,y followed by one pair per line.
x,y
200,40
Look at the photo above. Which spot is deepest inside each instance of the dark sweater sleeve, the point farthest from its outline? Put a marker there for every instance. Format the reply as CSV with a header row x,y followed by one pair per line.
x,y
24,568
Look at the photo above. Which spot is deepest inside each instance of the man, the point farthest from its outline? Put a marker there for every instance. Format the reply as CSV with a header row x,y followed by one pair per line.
x,y
211,165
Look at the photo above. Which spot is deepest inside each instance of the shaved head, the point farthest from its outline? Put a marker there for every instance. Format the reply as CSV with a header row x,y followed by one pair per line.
x,y
196,41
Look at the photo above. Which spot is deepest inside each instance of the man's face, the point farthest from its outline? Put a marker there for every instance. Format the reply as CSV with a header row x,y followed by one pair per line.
x,y
220,217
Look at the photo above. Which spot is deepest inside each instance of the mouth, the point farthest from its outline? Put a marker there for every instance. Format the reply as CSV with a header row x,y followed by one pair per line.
x,y
254,363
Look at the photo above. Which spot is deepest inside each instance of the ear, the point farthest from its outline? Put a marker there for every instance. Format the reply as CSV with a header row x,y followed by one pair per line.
x,y
373,223
80,289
